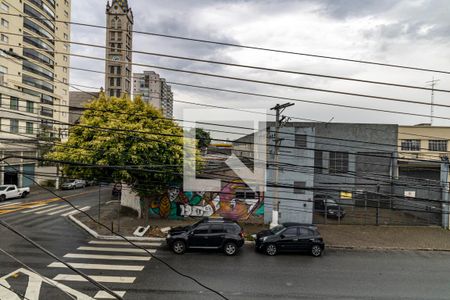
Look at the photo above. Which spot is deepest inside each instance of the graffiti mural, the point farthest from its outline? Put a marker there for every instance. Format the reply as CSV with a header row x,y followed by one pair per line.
x,y
235,201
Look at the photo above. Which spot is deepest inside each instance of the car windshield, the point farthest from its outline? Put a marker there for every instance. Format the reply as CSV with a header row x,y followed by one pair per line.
x,y
277,229
70,181
3,187
331,201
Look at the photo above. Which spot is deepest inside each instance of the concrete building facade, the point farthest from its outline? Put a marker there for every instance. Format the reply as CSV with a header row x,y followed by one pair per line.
x,y
154,90
336,160
34,76
119,43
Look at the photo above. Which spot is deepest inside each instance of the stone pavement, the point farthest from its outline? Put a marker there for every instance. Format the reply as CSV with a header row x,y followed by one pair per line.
x,y
336,236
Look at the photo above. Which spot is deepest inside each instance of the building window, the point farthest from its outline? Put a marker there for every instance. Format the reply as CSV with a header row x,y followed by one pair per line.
x,y
65,58
66,36
29,128
5,23
318,162
118,81
3,70
13,126
437,145
5,38
300,141
411,145
30,107
14,104
338,162
299,187
46,112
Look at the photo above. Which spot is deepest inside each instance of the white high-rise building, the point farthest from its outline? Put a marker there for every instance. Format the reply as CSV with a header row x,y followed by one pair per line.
x,y
34,77
154,90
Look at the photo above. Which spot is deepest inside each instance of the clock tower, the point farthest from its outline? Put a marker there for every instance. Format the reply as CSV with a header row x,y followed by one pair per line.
x,y
119,44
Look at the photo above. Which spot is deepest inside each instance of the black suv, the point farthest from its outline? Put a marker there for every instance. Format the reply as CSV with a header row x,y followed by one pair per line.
x,y
290,237
208,233
325,205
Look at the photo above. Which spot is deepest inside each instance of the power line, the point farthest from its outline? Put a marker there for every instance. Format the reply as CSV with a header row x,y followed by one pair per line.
x,y
246,46
113,232
262,82
37,273
36,245
253,67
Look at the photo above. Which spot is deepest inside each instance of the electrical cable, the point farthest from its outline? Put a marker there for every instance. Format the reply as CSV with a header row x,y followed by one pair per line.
x,y
239,65
245,46
262,82
35,272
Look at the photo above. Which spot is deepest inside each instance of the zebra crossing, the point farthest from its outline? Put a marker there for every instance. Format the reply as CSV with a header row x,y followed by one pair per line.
x,y
114,263
62,210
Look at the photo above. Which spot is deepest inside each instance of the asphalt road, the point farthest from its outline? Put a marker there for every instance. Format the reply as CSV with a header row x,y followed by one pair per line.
x,y
249,275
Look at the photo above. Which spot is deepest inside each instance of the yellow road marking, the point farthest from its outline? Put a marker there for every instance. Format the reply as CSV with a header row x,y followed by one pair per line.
x,y
22,206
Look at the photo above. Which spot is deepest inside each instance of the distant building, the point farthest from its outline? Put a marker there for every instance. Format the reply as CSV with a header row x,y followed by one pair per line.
x,y
119,42
77,101
154,90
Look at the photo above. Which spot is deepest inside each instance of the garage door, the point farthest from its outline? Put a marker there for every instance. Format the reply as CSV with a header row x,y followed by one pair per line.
x,y
28,175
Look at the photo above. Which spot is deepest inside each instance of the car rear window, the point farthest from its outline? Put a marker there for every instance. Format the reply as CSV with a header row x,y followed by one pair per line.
x,y
217,228
232,228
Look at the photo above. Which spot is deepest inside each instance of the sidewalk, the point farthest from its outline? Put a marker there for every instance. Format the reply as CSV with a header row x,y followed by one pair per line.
x,y
335,236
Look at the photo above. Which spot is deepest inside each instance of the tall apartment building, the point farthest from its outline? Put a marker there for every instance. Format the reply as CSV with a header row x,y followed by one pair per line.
x,y
34,80
154,90
119,42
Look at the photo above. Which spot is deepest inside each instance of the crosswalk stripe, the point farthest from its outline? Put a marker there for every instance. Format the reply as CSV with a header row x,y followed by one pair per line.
x,y
107,257
97,266
106,249
108,279
60,211
41,206
10,204
124,243
74,211
49,210
105,295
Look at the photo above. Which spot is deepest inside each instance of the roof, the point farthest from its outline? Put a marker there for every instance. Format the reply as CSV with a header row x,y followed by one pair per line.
x,y
79,99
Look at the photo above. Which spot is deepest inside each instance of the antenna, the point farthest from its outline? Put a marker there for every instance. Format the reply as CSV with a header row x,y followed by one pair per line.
x,y
432,83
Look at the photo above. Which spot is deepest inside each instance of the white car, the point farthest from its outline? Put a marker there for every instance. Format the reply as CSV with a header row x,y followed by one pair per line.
x,y
11,191
73,184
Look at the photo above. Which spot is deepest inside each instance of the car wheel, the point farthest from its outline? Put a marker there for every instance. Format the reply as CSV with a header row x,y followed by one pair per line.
x,y
179,247
271,249
2,198
230,248
24,194
316,250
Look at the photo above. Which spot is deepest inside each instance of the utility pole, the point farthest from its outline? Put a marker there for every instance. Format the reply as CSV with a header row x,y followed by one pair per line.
x,y
432,83
280,121
444,185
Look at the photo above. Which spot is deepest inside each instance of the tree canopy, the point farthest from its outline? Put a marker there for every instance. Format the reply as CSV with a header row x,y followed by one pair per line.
x,y
124,141
203,137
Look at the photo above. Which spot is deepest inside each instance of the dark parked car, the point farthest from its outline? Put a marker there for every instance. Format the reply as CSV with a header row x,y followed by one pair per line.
x,y
324,205
208,233
290,237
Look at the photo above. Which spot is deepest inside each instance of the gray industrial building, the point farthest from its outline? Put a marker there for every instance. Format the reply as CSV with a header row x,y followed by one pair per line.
x,y
339,160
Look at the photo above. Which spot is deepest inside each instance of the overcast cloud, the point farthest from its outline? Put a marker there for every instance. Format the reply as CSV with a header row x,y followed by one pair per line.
x,y
408,32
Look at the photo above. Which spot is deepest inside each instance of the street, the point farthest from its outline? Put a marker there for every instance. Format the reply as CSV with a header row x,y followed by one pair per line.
x,y
249,275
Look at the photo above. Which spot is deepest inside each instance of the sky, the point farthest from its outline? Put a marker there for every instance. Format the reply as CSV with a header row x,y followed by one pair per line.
x,y
405,32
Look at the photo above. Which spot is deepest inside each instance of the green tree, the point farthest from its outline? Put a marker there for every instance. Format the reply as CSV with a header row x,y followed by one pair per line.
x,y
203,137
124,141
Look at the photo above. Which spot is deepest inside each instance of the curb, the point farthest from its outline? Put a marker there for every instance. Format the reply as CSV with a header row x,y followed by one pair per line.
x,y
94,234
338,247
